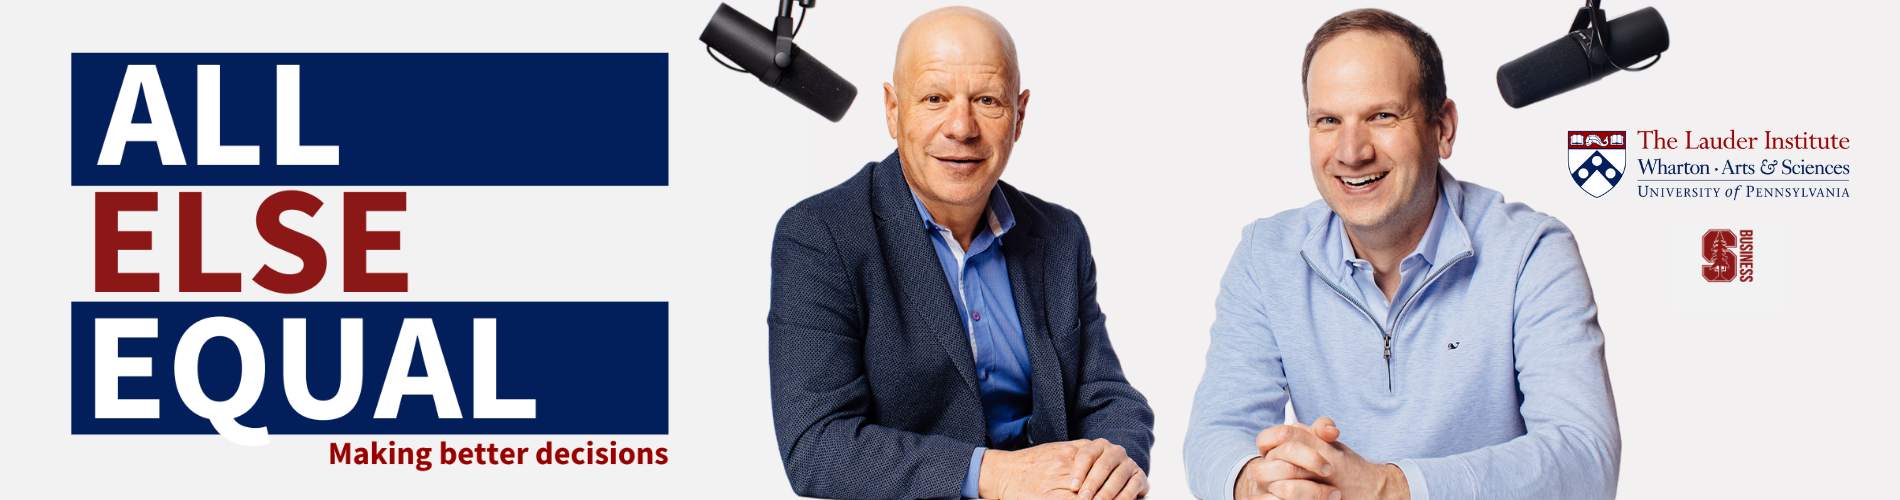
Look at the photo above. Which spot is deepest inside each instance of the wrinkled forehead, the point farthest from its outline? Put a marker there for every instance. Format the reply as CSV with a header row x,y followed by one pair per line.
x,y
956,45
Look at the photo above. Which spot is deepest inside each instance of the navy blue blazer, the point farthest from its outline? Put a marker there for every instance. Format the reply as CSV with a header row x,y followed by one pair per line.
x,y
874,390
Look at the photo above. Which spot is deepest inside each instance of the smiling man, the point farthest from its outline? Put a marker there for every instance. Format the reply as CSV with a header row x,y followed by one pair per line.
x,y
934,331
1446,340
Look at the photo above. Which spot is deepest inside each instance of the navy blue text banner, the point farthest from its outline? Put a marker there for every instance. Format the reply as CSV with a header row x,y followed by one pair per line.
x,y
588,367
393,119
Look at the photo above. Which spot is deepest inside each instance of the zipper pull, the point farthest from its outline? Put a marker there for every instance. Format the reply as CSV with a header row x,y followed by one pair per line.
x,y
1388,346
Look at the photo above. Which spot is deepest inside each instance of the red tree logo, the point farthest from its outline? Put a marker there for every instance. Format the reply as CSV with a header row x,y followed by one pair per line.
x,y
1718,250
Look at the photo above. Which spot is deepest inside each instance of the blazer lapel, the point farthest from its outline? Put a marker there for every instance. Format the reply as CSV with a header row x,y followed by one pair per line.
x,y
1049,423
913,263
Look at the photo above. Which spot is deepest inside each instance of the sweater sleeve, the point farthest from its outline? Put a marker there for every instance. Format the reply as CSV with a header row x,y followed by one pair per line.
x,y
1244,389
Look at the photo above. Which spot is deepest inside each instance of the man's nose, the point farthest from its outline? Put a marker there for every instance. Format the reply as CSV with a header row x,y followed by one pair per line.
x,y
1354,147
960,125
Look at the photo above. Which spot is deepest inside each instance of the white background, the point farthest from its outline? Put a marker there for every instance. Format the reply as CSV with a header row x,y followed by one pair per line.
x,y
1166,125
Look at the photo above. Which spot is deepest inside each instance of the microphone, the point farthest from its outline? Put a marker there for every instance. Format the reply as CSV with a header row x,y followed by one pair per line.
x,y
777,62
1594,49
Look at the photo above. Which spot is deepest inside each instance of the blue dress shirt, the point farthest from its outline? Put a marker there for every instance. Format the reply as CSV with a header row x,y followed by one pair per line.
x,y
980,278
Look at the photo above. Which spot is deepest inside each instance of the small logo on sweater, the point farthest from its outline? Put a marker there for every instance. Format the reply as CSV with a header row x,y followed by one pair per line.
x,y
1453,345
1596,161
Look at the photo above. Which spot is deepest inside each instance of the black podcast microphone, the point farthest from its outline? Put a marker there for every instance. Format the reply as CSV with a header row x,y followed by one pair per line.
x,y
791,70
1594,49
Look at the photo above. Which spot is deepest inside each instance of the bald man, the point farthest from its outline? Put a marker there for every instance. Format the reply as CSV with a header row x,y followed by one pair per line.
x,y
934,331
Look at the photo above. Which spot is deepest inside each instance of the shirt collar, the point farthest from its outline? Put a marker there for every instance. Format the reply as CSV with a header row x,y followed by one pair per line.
x,y
1000,218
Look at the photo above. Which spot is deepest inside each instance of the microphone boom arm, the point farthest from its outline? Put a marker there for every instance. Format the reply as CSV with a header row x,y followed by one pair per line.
x,y
1591,29
784,30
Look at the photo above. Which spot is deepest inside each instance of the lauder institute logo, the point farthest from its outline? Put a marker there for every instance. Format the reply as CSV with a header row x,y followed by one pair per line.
x,y
1596,161
1728,256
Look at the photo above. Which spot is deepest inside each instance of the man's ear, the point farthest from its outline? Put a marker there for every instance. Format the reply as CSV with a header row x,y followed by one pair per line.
x,y
1022,110
1447,128
890,109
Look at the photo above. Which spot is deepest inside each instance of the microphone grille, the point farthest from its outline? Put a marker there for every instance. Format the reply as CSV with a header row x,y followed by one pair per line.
x,y
811,83
1555,68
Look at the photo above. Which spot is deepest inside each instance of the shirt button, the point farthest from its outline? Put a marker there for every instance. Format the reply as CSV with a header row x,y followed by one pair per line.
x,y
985,374
976,315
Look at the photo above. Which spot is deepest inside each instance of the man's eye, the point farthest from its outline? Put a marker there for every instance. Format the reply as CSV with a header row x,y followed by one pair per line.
x,y
1327,121
934,99
1382,116
986,101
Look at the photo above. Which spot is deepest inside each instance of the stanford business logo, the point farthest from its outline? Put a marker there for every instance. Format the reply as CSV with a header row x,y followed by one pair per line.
x,y
1596,161
1730,257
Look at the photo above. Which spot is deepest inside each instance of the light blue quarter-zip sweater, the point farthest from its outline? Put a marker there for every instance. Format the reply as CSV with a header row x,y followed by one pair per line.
x,y
1495,385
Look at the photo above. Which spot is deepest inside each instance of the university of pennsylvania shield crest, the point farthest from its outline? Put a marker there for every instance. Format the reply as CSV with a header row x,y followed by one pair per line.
x,y
1596,161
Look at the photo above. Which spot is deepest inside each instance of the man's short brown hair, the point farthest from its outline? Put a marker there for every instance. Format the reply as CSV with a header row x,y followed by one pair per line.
x,y
1431,66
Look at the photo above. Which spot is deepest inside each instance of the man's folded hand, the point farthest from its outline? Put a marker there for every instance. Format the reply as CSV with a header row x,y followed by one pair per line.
x,y
1107,472
1081,469
1298,462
